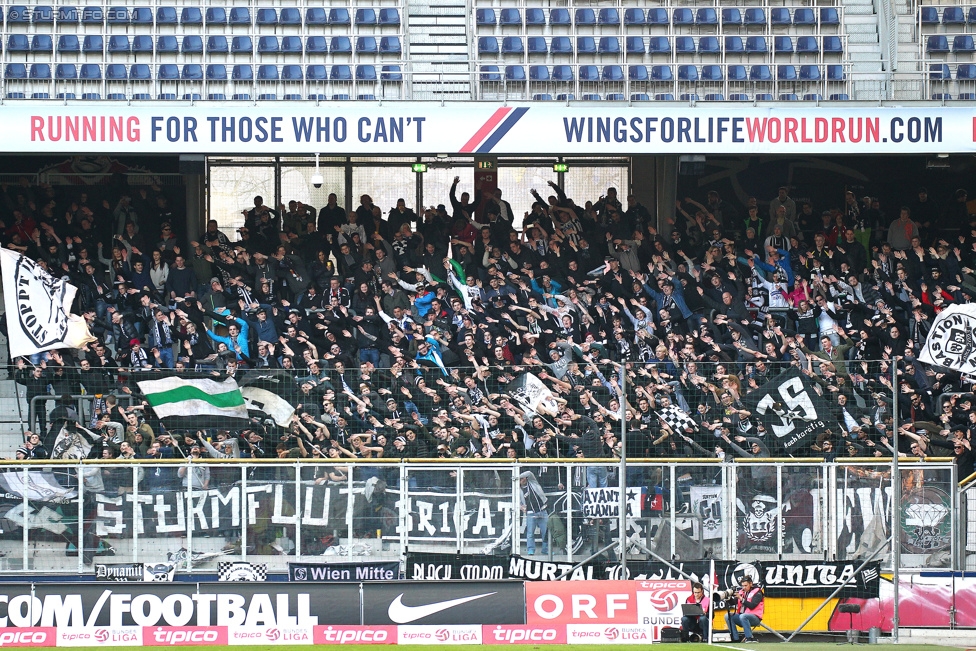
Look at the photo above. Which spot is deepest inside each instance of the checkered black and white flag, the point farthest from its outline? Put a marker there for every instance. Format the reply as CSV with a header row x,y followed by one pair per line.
x,y
241,571
676,418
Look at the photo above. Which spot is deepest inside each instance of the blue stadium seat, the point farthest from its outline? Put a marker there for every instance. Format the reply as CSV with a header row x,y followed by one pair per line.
x,y
788,97
585,45
390,16
315,72
640,97
267,16
316,45
67,96
839,97
966,71
591,97
18,43
535,16
637,73
42,14
929,15
664,97
812,97
542,97
291,44
340,97
18,15
163,44
714,97
487,45
836,73
166,72
144,15
684,45
833,45
165,97
514,73
634,16
164,15
340,73
659,45
561,45
585,17
731,16
760,73
609,45
217,72
191,72
967,96
40,71
615,97
756,45
366,97
804,16
688,97
539,73
559,17
510,16
366,16
779,16
737,73
809,73
612,73
246,97
754,16
118,44
658,16
783,45
712,73
709,45
217,45
142,44
829,16
241,45
364,73
939,72
963,44
339,16
953,15
216,16
971,16
90,72
67,14
137,72
635,45
16,96
786,73
706,16
242,72
536,45
42,43
340,45
589,73
512,45
117,16
267,73
92,15
682,16
92,44
192,44
68,43
485,17
661,73
191,16
565,97
687,73
316,17
240,16
268,45
608,16
738,97
66,71
733,44
391,45
490,73
391,73
40,95
941,96
562,73
191,96
267,97
807,45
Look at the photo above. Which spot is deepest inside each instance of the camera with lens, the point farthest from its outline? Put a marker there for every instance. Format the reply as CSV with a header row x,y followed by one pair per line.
x,y
726,599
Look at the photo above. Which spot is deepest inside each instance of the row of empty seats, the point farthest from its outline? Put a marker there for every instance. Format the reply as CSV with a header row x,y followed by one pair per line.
x,y
266,16
939,44
192,96
196,72
489,45
942,72
679,16
687,97
664,74
193,44
953,15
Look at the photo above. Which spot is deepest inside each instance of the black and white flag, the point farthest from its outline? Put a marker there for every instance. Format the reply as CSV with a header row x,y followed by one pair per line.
x,y
952,340
241,571
676,418
38,308
793,412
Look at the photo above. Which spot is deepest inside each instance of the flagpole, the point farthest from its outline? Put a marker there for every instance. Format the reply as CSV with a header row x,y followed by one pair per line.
x,y
622,479
895,502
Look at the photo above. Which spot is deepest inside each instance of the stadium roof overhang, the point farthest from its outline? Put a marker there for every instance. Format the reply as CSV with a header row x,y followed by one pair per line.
x,y
482,128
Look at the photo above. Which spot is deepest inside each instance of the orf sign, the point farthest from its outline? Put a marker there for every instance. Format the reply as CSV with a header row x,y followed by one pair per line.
x,y
579,602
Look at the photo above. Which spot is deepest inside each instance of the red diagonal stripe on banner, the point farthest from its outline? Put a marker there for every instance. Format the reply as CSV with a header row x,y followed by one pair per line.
x,y
485,129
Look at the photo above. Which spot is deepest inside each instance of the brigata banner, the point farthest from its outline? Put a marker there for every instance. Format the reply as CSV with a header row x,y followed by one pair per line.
x,y
426,128
344,572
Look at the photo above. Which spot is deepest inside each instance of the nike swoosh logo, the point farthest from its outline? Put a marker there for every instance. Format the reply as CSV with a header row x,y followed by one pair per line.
x,y
402,614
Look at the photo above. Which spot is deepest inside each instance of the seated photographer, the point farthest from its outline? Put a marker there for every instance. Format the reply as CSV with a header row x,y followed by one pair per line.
x,y
695,628
748,610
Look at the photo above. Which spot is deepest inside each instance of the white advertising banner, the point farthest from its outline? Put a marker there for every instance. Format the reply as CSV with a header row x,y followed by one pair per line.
x,y
457,634
428,128
610,634
100,636
265,635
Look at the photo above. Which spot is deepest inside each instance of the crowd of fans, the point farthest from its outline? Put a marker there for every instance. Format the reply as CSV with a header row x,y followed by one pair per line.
x,y
400,334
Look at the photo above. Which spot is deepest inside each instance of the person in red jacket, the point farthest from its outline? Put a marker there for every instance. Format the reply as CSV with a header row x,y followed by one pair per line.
x,y
695,629
748,610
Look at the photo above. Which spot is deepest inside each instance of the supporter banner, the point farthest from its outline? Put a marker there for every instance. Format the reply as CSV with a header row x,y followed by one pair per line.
x,y
532,569
270,403
532,395
175,396
425,128
706,503
125,572
434,517
38,308
344,572
241,571
37,486
484,602
952,340
445,567
605,502
792,411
